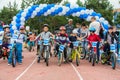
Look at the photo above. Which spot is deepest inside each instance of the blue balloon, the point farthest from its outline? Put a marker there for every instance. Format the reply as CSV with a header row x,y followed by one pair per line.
x,y
99,15
53,14
105,26
60,9
21,11
18,25
45,9
18,20
30,10
85,16
81,16
49,6
11,31
52,5
94,14
67,5
10,25
18,15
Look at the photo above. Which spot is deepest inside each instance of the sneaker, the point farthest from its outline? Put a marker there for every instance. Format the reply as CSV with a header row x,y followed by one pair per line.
x,y
19,63
9,64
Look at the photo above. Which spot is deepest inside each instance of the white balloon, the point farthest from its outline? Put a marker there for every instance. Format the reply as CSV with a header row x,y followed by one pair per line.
x,y
27,28
45,14
87,11
89,18
14,18
97,18
22,19
101,19
22,23
23,14
49,11
14,27
82,12
106,22
34,13
26,10
78,14
13,23
37,9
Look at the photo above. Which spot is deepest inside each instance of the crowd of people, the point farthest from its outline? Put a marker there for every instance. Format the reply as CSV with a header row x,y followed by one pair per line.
x,y
66,35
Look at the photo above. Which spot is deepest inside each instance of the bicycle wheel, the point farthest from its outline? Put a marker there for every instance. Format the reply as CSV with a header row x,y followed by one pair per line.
x,y
77,60
82,52
13,58
47,58
60,56
113,60
30,47
90,57
93,59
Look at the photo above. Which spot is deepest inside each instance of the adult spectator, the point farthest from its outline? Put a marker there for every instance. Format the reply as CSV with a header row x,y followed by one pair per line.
x,y
69,27
95,24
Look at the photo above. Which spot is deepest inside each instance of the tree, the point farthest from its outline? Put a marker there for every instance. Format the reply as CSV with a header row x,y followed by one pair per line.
x,y
117,19
7,13
101,6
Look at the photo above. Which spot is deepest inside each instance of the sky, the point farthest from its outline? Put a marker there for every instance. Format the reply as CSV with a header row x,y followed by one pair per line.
x,y
115,3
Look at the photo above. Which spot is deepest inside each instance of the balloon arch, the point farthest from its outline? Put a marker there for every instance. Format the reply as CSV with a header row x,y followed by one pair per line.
x,y
52,9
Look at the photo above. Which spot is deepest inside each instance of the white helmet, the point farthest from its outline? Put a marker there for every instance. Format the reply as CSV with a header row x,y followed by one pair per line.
x,y
75,31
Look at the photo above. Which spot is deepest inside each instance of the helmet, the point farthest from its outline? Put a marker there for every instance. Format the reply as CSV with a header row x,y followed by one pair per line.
x,y
6,26
75,31
110,28
62,28
30,32
92,29
45,25
22,27
16,31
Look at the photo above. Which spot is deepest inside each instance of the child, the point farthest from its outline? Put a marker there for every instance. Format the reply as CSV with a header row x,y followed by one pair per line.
x,y
19,42
62,38
46,34
93,37
32,40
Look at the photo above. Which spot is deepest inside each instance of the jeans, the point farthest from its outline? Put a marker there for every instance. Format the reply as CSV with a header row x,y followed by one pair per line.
x,y
18,53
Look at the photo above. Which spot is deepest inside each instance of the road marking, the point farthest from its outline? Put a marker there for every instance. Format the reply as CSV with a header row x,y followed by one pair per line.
x,y
26,70
78,74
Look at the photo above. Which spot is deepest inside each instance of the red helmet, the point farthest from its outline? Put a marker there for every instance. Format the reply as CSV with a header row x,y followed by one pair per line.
x,y
22,27
62,28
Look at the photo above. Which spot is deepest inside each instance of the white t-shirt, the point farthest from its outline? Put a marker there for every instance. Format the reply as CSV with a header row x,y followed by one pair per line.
x,y
96,25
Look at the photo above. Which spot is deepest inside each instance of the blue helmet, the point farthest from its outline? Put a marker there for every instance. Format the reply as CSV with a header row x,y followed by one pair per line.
x,y
92,29
30,32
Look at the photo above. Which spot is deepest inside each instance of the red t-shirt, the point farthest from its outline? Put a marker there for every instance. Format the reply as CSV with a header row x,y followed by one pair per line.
x,y
92,38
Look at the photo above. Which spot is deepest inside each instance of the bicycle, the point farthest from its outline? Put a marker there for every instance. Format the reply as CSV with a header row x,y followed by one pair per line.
x,y
12,47
76,53
60,53
112,56
46,45
93,53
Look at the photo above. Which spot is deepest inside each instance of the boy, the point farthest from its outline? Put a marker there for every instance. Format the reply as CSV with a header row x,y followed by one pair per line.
x,y
46,34
62,38
19,42
93,37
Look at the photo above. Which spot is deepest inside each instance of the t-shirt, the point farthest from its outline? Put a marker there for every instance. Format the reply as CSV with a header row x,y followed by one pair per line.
x,y
45,35
69,28
96,25
84,32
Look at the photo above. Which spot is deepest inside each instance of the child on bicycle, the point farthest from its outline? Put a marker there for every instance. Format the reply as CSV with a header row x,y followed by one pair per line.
x,y
45,34
110,38
6,38
32,40
62,38
93,37
19,42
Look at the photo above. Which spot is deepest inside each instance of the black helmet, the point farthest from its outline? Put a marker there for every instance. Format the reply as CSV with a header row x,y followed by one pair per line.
x,y
6,26
45,25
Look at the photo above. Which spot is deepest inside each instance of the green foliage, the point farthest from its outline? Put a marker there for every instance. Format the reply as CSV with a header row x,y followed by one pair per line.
x,y
7,13
117,20
101,6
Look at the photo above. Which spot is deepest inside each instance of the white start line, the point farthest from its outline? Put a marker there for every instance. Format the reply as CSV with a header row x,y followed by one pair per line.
x,y
77,72
26,70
